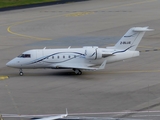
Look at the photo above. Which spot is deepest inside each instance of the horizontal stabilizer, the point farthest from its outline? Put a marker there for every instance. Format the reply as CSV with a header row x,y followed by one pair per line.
x,y
142,29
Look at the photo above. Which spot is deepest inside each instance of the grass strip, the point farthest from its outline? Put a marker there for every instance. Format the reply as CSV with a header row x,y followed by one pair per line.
x,y
12,3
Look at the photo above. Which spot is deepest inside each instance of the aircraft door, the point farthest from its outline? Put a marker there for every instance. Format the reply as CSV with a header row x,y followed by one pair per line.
x,y
39,54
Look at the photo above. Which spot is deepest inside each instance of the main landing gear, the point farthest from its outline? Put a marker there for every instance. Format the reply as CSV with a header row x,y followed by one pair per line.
x,y
20,72
77,71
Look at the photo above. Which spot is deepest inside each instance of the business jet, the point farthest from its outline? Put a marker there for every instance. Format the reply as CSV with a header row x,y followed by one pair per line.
x,y
35,117
78,59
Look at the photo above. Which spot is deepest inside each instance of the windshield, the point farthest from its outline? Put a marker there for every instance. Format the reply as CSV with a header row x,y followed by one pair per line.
x,y
24,56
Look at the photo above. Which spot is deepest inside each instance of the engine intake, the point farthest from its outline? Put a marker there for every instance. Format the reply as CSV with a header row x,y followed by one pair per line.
x,y
93,53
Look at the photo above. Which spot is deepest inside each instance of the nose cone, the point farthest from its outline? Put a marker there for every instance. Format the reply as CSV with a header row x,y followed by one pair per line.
x,y
10,64
13,63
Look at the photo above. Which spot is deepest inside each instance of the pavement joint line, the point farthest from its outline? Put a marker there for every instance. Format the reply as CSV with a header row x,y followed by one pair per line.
x,y
137,71
129,4
146,47
38,38
131,71
11,97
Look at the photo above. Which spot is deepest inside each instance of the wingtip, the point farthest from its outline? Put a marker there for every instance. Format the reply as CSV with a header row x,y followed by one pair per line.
x,y
103,64
66,111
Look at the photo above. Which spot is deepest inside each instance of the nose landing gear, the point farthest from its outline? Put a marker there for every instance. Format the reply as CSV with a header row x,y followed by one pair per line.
x,y
20,72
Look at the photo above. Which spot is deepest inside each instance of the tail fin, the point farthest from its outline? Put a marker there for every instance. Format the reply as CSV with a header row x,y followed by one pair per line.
x,y
131,39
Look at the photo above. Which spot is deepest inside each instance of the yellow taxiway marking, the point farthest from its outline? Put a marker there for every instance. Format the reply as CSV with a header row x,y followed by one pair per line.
x,y
76,14
22,35
71,14
3,77
27,21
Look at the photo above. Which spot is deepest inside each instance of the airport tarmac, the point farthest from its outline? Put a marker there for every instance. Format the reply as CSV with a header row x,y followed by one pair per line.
x,y
130,85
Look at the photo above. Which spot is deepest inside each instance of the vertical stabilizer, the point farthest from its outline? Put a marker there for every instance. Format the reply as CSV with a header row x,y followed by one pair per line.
x,y
131,39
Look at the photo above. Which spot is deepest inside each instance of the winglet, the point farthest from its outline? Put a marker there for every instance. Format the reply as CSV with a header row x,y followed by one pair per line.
x,y
102,66
66,112
1,117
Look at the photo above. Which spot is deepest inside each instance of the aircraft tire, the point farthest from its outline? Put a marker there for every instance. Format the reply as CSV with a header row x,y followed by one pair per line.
x,y
80,72
21,73
77,71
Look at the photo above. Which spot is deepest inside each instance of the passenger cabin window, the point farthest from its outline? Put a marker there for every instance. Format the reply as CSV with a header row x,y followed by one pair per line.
x,y
24,56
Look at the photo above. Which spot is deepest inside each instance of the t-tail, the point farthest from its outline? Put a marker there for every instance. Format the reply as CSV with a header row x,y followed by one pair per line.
x,y
131,39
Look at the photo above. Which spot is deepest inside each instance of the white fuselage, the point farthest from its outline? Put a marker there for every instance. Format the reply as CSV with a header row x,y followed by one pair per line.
x,y
52,58
86,58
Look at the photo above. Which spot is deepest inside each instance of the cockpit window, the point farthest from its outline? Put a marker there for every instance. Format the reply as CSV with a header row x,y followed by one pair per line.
x,y
24,56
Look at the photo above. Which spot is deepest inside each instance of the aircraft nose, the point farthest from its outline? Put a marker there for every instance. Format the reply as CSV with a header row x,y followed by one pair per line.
x,y
9,64
13,63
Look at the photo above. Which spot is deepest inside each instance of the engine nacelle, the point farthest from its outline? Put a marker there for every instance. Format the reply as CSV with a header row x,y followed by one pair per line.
x,y
93,53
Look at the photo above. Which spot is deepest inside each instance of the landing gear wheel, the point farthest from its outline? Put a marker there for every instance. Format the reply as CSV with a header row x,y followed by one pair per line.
x,y
20,72
80,73
77,71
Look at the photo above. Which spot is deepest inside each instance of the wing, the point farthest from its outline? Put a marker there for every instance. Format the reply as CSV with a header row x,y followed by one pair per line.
x,y
37,117
81,66
50,117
